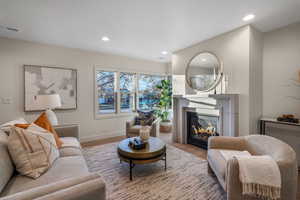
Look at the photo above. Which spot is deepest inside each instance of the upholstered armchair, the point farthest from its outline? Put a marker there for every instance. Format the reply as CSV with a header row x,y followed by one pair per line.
x,y
133,130
228,173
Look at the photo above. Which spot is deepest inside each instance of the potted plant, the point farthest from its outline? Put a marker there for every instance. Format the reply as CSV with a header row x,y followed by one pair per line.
x,y
163,106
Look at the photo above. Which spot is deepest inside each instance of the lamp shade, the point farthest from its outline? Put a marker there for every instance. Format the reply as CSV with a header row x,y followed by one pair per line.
x,y
50,101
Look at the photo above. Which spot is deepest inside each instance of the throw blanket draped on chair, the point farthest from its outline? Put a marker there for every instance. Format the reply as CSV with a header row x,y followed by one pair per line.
x,y
259,175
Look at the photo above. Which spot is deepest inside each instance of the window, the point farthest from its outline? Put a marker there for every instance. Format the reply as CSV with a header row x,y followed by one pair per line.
x,y
127,91
124,92
106,91
148,94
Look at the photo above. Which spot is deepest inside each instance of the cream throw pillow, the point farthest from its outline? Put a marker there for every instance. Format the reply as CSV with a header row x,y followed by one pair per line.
x,y
33,150
6,127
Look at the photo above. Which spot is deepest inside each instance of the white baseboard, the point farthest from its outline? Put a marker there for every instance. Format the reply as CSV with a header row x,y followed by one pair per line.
x,y
102,136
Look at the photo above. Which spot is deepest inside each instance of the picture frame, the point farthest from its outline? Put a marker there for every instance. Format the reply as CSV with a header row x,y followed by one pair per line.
x,y
43,80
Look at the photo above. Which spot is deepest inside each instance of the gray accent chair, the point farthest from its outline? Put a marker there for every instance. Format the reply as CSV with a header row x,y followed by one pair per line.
x,y
281,152
68,178
133,130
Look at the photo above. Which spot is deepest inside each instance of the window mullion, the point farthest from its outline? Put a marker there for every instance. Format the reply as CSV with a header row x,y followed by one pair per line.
x,y
117,91
137,91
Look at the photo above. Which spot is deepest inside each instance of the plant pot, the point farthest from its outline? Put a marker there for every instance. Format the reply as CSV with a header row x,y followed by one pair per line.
x,y
165,126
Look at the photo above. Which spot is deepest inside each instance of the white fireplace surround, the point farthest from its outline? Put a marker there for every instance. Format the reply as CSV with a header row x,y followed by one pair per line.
x,y
224,105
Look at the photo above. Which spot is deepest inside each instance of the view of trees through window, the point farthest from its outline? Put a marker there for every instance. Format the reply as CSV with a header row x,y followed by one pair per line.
x,y
128,90
148,93
106,95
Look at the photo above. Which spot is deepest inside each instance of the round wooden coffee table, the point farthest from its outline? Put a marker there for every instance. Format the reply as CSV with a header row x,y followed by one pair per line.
x,y
155,150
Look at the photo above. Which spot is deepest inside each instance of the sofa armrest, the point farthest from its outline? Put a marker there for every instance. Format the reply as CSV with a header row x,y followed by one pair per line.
x,y
90,187
129,123
289,178
224,142
155,128
67,130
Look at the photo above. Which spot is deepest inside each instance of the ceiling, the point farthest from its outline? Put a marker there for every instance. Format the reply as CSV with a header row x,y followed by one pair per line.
x,y
138,28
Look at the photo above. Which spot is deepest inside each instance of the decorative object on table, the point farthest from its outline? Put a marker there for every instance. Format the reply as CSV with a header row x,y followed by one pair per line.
x,y
163,106
49,102
288,118
137,143
42,80
155,151
145,133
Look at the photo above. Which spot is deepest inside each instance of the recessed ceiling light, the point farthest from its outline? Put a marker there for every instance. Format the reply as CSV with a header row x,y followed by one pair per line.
x,y
105,39
164,52
203,59
248,17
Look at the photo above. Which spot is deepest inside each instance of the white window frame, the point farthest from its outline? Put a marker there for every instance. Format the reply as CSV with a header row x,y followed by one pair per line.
x,y
118,112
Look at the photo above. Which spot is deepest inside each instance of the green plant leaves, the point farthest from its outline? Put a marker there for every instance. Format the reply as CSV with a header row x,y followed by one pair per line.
x,y
165,101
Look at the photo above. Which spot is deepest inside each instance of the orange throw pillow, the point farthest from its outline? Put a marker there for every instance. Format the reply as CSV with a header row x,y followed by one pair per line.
x,y
43,122
23,126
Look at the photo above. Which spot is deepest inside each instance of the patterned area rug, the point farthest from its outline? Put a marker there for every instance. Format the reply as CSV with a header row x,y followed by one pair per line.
x,y
186,177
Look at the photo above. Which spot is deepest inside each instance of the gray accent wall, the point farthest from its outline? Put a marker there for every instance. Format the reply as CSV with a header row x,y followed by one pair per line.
x,y
236,49
281,90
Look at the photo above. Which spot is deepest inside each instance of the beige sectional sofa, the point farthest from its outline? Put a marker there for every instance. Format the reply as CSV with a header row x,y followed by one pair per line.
x,y
228,173
68,178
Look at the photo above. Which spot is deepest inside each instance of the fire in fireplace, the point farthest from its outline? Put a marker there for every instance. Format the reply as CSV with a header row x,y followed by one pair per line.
x,y
200,127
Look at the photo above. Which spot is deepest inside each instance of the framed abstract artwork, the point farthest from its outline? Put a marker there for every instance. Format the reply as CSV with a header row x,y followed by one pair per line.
x,y
41,80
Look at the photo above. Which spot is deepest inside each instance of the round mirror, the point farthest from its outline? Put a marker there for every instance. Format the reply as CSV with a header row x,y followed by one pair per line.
x,y
204,72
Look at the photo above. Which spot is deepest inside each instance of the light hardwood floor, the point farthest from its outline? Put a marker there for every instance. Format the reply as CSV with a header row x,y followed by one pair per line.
x,y
167,138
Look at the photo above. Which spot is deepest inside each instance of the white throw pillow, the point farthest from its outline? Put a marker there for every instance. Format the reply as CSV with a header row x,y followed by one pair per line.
x,y
6,127
48,136
33,150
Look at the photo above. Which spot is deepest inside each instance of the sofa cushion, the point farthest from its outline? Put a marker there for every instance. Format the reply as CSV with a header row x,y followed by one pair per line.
x,y
44,122
6,126
218,164
33,152
63,168
70,147
6,166
135,129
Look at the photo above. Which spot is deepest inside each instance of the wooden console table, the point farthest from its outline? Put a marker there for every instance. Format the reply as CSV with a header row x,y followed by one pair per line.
x,y
264,121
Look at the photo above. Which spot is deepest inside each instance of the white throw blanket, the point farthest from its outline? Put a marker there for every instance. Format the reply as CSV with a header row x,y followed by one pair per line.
x,y
259,175
229,154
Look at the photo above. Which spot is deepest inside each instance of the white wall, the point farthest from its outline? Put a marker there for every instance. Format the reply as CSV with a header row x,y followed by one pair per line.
x,y
15,53
256,62
233,49
281,91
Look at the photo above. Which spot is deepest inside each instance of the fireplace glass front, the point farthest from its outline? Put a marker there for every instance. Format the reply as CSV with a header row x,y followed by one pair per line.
x,y
200,127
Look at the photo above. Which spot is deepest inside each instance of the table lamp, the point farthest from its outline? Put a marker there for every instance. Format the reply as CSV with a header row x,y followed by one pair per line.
x,y
49,102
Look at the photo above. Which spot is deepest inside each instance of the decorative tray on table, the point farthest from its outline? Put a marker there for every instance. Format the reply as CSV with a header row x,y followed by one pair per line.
x,y
137,143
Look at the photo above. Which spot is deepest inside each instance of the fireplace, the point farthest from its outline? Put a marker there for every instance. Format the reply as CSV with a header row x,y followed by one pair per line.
x,y
200,127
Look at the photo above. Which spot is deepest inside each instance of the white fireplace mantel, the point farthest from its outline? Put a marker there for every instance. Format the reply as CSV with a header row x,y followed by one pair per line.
x,y
227,104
